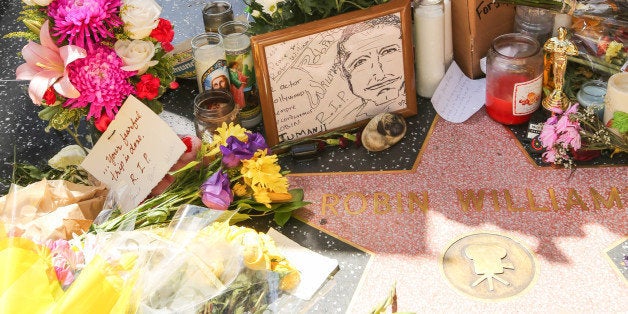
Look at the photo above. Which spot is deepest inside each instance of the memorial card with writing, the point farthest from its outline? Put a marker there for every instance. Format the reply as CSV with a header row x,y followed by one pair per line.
x,y
134,153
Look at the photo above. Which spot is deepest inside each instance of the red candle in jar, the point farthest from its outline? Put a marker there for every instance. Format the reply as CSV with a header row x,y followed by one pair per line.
x,y
514,78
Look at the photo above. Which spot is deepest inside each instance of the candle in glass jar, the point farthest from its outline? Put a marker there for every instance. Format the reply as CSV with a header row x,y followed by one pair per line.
x,y
210,62
449,46
616,95
429,47
591,95
514,78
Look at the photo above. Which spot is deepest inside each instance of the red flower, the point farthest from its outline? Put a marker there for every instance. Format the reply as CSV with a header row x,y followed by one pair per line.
x,y
188,143
102,123
50,97
174,85
164,34
148,87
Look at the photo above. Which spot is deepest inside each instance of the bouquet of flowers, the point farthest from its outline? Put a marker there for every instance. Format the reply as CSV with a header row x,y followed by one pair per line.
x,y
194,263
270,15
91,55
234,171
577,134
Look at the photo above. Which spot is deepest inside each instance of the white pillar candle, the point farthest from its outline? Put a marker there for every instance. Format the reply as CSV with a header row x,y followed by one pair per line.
x,y
616,95
449,46
209,60
429,48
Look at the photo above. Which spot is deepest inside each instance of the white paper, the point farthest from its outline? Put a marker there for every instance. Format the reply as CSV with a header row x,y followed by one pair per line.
x,y
314,267
458,97
134,153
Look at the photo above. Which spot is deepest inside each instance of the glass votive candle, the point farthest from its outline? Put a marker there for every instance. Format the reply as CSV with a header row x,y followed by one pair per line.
x,y
591,95
210,62
211,109
215,14
514,78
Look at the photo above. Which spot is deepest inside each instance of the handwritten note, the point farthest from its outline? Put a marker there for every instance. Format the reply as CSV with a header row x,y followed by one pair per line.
x,y
134,153
458,97
313,90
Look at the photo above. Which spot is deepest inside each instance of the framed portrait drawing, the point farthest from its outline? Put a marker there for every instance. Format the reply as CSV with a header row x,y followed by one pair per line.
x,y
336,73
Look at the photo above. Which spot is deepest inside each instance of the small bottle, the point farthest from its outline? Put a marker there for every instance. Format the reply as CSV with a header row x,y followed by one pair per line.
x,y
429,45
514,78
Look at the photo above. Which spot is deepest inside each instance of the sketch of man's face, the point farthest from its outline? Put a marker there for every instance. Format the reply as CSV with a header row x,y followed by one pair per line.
x,y
374,64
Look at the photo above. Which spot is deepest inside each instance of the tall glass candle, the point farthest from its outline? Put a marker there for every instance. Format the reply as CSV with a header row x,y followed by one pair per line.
x,y
237,45
210,62
616,95
429,46
449,45
514,78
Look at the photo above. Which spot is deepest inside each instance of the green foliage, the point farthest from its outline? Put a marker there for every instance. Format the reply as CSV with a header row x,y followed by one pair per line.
x,y
620,121
295,12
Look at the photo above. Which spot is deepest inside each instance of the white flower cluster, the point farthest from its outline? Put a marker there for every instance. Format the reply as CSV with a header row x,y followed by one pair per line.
x,y
140,17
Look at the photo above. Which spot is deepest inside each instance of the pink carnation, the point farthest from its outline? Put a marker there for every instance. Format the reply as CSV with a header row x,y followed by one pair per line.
x,y
101,81
84,23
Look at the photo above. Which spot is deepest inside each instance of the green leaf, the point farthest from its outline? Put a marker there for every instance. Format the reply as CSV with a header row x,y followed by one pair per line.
x,y
282,218
289,207
620,121
297,194
48,112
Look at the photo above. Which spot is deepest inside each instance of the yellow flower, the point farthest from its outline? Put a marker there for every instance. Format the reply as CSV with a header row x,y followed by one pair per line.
x,y
223,133
239,189
612,50
290,277
262,171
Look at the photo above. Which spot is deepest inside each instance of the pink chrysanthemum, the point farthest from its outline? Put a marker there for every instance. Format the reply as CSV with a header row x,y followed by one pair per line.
x,y
101,82
84,22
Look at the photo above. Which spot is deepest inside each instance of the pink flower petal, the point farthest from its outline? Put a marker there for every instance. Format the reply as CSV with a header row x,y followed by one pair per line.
x,y
71,53
45,38
40,83
64,87
26,71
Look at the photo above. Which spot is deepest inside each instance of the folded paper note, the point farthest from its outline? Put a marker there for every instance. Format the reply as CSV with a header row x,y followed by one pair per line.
x,y
458,97
134,153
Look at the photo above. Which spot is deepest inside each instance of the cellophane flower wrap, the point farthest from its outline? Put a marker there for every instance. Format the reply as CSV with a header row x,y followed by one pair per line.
x,y
84,58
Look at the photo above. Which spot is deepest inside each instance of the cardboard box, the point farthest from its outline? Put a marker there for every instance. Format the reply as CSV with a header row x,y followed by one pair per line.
x,y
475,23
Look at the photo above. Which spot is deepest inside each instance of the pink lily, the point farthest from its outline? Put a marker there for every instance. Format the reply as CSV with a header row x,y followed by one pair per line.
x,y
46,66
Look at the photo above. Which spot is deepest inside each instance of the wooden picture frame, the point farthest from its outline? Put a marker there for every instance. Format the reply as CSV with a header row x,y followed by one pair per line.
x,y
318,77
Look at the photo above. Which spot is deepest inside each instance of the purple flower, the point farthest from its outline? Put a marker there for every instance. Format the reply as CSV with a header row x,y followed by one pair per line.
x,y
256,142
235,151
215,192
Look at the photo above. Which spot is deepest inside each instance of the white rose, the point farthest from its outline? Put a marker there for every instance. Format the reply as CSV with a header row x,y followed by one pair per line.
x,y
71,155
42,3
137,55
140,17
270,6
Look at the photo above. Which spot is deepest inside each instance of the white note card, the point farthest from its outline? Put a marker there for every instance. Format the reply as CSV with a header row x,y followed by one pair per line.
x,y
314,267
134,153
458,97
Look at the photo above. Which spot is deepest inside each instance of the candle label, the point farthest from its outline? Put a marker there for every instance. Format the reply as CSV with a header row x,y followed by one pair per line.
x,y
216,76
241,75
527,96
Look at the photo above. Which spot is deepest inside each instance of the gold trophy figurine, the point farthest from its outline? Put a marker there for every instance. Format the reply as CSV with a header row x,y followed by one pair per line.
x,y
560,47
